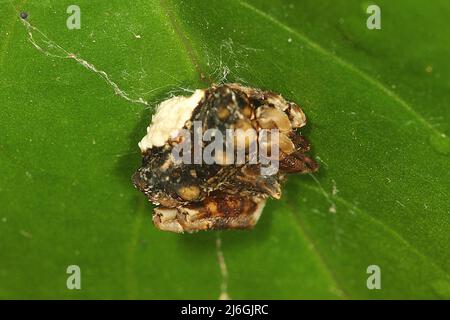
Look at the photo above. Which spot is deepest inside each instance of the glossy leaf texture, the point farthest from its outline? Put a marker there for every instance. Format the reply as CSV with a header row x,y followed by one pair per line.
x,y
377,104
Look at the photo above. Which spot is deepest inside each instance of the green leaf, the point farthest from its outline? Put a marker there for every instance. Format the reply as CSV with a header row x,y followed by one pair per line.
x,y
377,105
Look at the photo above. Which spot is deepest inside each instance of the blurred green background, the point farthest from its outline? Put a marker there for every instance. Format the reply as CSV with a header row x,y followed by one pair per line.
x,y
379,122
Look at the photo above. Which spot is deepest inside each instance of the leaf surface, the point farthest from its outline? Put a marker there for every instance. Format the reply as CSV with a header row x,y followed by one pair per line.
x,y
377,105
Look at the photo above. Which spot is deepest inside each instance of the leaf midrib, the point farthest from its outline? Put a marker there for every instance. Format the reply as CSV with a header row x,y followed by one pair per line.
x,y
190,52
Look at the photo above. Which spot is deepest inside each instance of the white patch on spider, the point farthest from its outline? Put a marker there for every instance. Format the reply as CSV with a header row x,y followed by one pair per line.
x,y
171,116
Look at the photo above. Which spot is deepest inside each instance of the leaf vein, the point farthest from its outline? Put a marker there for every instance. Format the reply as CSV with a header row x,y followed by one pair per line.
x,y
389,229
341,292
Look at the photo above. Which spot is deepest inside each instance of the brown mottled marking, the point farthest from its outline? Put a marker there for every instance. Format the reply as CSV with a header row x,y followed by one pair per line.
x,y
189,193
298,163
301,143
247,111
193,173
286,145
223,113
